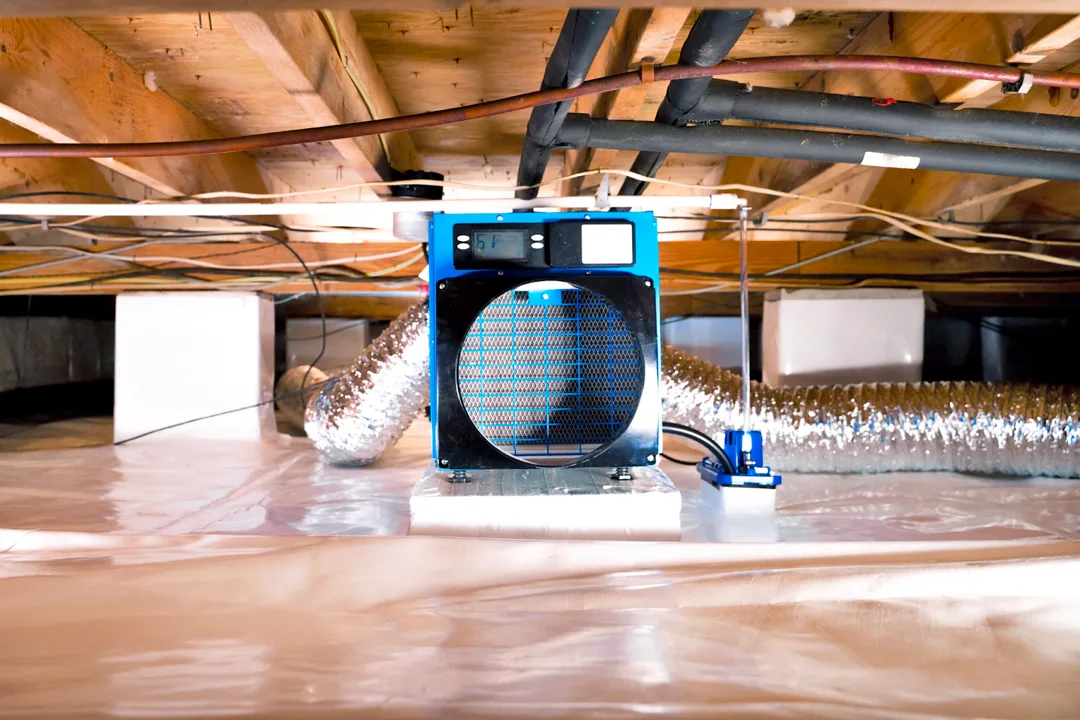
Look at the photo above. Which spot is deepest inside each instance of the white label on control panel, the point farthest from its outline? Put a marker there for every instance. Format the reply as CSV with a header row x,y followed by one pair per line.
x,y
885,160
607,244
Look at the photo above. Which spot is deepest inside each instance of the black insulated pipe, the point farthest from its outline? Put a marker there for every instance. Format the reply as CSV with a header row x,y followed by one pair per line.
x,y
710,40
726,100
582,33
582,131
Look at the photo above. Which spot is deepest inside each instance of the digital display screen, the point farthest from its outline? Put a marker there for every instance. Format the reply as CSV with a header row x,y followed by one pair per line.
x,y
500,245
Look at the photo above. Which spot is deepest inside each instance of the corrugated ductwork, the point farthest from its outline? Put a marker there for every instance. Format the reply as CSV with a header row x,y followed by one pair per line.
x,y
1009,429
969,427
357,416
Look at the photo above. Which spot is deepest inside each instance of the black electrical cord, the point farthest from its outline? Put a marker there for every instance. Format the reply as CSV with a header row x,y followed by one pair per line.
x,y
678,461
701,438
304,389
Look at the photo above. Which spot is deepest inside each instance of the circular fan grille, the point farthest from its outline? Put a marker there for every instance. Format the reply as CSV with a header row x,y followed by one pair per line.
x,y
549,372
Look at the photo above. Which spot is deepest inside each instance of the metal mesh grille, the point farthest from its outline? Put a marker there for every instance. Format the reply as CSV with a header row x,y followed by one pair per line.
x,y
549,372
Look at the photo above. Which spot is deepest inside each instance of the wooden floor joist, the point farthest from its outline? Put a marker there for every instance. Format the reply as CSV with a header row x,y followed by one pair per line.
x,y
254,66
268,259
333,84
72,7
62,85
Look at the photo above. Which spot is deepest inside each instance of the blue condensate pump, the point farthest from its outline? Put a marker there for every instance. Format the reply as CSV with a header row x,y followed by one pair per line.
x,y
744,449
544,340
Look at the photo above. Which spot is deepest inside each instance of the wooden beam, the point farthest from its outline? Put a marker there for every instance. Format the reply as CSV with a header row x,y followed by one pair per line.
x,y
64,86
21,175
235,255
1043,47
638,36
29,8
711,256
300,51
889,261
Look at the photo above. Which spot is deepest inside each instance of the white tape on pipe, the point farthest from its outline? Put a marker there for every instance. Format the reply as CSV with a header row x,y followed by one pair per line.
x,y
886,160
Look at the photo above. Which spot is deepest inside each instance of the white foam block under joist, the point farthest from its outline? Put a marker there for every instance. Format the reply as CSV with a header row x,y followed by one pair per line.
x,y
580,503
183,355
834,337
346,338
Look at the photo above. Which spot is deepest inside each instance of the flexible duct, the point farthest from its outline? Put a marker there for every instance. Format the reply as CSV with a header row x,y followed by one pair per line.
x,y
712,37
968,427
582,131
731,100
359,415
582,33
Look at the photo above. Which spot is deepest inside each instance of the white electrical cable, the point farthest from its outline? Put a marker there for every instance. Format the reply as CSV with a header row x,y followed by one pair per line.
x,y
354,209
712,202
724,199
871,212
388,271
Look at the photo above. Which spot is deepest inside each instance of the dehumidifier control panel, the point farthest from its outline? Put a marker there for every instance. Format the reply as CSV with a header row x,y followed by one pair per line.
x,y
556,244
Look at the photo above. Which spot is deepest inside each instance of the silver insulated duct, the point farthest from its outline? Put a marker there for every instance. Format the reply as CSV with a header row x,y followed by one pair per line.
x,y
360,414
967,427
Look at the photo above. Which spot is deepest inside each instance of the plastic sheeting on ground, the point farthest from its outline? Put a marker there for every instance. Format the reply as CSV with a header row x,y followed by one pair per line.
x,y
165,580
285,488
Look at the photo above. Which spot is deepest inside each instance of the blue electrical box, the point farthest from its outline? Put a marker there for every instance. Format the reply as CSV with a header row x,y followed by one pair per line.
x,y
545,344
744,448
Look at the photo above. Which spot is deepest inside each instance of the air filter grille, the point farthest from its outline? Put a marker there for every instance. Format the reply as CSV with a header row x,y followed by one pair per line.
x,y
549,372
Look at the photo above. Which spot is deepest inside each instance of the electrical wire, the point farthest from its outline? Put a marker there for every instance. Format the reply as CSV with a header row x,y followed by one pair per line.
x,y
149,278
678,461
646,75
899,220
850,233
869,212
305,388
704,440
255,226
335,331
905,223
979,277
780,270
113,255
388,271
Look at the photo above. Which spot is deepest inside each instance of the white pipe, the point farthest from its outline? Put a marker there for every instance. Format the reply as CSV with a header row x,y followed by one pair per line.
x,y
345,213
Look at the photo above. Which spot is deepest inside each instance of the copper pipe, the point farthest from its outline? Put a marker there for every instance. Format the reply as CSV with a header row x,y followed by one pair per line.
x,y
246,143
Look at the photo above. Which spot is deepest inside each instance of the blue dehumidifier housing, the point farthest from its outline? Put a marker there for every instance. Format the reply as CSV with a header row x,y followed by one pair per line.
x,y
544,340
